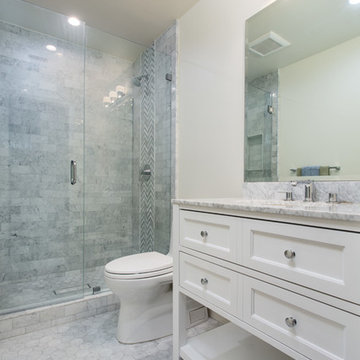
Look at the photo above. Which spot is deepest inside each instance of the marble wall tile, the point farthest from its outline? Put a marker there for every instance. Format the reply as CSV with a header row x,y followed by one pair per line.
x,y
108,166
347,191
154,143
40,233
26,320
5,325
261,128
41,221
165,102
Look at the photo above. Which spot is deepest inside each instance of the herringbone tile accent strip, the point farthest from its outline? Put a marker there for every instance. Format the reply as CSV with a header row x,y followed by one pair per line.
x,y
147,127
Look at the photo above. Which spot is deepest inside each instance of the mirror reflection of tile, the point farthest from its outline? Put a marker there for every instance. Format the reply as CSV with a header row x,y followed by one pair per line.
x,y
301,118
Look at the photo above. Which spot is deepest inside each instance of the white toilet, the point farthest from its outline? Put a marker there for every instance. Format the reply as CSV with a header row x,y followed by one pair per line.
x,y
143,282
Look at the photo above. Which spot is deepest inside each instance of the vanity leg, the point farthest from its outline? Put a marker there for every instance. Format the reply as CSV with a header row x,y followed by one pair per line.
x,y
179,300
179,323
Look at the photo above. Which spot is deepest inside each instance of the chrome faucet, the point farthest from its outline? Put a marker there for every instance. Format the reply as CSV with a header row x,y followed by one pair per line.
x,y
309,188
288,196
309,191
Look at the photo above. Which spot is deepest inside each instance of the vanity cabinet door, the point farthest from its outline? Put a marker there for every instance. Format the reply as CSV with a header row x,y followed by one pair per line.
x,y
217,285
321,259
212,234
314,329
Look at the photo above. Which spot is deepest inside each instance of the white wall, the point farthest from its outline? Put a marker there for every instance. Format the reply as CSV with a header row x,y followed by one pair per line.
x,y
319,104
211,98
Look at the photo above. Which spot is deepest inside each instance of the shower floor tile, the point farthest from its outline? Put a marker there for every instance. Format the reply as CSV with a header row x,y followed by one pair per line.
x,y
91,339
19,295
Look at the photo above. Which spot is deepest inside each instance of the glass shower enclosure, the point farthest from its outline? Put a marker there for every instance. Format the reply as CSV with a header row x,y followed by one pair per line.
x,y
85,154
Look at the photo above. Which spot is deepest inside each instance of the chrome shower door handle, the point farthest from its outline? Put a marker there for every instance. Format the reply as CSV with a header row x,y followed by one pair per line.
x,y
73,172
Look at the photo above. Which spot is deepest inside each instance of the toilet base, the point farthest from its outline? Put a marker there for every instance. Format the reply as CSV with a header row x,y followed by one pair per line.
x,y
138,324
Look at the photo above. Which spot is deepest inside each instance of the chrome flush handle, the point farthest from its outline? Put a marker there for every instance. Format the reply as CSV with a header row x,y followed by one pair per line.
x,y
204,234
204,281
289,254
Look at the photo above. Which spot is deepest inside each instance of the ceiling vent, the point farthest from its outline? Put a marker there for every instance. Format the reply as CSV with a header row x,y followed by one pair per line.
x,y
268,44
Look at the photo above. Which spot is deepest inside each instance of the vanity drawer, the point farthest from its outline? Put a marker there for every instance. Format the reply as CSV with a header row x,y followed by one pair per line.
x,y
212,234
213,283
314,329
321,259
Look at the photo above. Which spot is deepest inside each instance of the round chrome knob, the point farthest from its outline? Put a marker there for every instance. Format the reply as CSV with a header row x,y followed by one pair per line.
x,y
204,281
289,254
204,234
290,322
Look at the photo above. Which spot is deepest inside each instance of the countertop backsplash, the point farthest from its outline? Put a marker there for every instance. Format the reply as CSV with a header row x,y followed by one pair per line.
x,y
347,191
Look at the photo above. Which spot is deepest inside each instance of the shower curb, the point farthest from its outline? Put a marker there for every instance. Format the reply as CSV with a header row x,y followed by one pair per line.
x,y
24,322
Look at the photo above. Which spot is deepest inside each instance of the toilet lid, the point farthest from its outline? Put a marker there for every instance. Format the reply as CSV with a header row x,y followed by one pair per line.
x,y
140,263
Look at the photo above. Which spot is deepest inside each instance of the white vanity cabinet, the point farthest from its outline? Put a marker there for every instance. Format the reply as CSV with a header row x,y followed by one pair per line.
x,y
215,284
209,233
319,258
289,282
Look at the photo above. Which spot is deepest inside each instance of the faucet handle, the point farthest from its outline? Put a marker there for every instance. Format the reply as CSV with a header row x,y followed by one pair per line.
x,y
333,197
288,195
309,191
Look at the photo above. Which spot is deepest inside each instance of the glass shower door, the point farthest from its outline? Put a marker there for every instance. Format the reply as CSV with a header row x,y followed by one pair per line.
x,y
165,78
41,131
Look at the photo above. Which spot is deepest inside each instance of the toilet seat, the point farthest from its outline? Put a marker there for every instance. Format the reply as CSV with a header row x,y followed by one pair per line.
x,y
139,266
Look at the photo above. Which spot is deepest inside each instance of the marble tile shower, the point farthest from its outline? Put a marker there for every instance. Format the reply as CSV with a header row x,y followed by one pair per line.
x,y
261,122
41,107
165,118
108,166
55,238
154,127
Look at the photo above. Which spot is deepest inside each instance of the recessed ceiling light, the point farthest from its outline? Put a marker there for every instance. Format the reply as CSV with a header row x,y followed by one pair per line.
x,y
74,21
354,2
51,47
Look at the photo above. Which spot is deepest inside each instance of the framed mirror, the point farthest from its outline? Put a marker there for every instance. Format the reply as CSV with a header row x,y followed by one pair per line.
x,y
302,99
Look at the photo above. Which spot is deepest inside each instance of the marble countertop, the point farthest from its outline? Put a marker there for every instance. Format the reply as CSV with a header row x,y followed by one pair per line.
x,y
334,211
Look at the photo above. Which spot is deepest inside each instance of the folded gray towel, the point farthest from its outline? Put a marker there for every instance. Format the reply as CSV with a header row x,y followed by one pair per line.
x,y
310,171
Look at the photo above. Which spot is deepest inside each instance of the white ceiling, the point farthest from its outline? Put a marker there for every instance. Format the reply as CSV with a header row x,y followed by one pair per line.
x,y
56,26
141,21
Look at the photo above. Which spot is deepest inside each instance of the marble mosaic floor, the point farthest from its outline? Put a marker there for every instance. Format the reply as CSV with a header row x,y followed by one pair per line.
x,y
91,339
